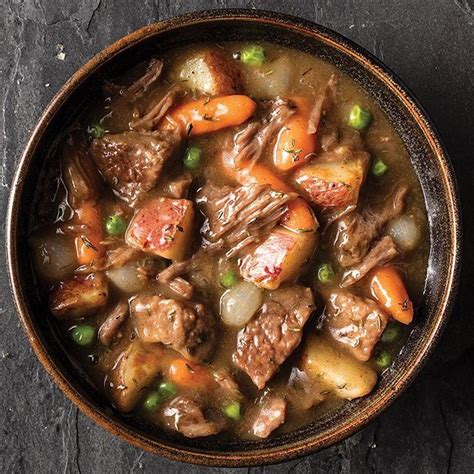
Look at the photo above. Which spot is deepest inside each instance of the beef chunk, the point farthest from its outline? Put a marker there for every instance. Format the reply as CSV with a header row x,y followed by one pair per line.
x,y
185,327
134,369
355,322
212,72
267,340
267,416
382,252
112,322
185,415
241,216
81,296
131,162
357,230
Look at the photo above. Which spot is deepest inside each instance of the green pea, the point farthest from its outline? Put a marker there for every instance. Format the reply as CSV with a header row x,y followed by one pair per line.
x,y
192,157
359,118
96,130
167,389
325,273
229,279
253,55
115,225
152,401
383,360
232,410
83,335
392,333
379,168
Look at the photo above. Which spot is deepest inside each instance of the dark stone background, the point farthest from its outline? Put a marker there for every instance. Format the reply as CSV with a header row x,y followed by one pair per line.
x,y
430,44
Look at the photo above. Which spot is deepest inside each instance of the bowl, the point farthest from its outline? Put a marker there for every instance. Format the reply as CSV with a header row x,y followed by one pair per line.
x,y
429,160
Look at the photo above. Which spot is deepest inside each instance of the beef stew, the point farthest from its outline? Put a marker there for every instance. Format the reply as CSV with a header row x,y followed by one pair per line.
x,y
234,234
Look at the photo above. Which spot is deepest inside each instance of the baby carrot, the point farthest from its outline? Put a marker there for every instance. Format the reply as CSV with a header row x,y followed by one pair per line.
x,y
294,144
388,289
205,115
88,246
190,375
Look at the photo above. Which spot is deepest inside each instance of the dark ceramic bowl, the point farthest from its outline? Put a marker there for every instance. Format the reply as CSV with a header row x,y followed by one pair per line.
x,y
428,158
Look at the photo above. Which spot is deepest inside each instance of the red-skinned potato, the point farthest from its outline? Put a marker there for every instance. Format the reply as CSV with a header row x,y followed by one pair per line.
x,y
334,180
162,227
278,258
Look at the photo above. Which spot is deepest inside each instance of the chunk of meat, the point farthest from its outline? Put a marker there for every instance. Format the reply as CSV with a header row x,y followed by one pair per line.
x,y
380,254
356,231
249,143
355,322
115,258
178,187
131,162
170,276
135,369
278,258
322,104
236,218
81,296
334,183
185,327
188,417
162,227
266,341
152,118
268,415
80,177
212,72
109,328
143,84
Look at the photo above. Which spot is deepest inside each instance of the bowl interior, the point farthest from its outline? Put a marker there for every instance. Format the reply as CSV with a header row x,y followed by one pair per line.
x,y
432,173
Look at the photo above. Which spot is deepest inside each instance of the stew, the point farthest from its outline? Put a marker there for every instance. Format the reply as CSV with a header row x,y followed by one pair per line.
x,y
231,239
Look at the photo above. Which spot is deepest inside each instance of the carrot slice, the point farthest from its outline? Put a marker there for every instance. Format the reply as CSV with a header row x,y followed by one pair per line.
x,y
294,144
189,375
201,116
388,289
88,243
300,217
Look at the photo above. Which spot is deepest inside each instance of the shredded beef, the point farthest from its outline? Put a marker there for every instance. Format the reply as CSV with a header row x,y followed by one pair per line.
x,y
109,328
242,216
356,231
381,253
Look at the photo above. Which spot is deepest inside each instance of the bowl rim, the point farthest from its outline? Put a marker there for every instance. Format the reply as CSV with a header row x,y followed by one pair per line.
x,y
318,33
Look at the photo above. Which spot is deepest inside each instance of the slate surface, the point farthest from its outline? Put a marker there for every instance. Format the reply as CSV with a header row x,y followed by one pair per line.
x,y
429,43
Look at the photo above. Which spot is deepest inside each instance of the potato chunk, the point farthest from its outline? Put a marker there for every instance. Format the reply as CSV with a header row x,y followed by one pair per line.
x,y
334,180
81,296
212,72
337,371
135,368
278,258
163,227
